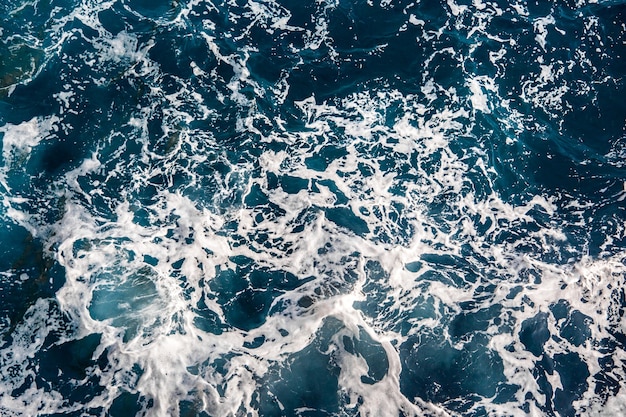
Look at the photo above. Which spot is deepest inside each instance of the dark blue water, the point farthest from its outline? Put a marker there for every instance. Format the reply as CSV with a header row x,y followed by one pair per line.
x,y
332,208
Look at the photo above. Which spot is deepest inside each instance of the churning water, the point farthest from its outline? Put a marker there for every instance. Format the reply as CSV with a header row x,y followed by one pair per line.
x,y
312,208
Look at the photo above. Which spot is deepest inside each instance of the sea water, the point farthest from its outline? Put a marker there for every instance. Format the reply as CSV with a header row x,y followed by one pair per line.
x,y
312,208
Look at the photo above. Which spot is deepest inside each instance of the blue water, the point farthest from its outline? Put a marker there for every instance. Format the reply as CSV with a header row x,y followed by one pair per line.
x,y
330,208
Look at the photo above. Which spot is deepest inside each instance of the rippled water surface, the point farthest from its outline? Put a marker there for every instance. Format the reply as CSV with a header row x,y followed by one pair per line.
x,y
312,208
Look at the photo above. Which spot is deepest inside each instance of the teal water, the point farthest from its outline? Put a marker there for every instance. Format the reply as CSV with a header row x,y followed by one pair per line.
x,y
332,208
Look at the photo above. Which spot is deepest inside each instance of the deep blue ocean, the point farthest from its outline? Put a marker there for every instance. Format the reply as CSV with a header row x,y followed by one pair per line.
x,y
312,208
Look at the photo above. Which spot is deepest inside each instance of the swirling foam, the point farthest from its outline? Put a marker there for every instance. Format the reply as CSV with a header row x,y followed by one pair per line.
x,y
229,232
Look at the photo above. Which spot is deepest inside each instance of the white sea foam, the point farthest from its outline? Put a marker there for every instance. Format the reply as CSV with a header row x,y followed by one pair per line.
x,y
154,344
541,24
138,281
18,140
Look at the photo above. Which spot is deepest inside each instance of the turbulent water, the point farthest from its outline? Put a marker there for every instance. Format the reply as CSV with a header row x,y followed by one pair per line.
x,y
312,208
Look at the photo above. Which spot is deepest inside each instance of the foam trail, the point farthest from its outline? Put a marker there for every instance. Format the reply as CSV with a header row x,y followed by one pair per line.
x,y
254,208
